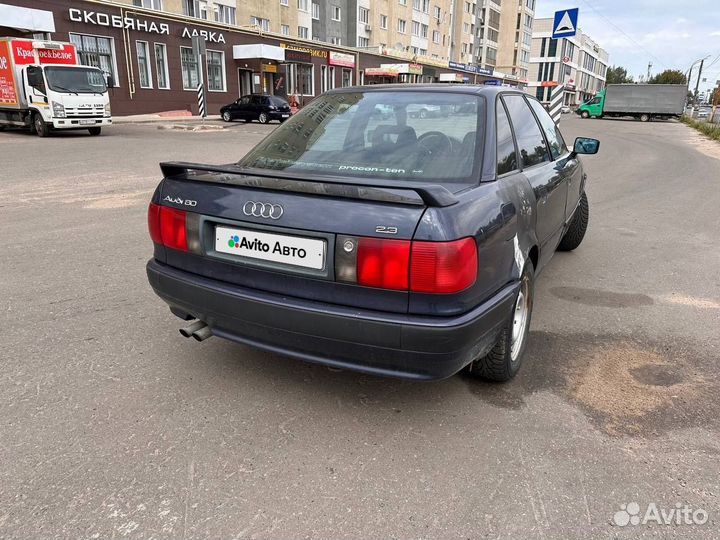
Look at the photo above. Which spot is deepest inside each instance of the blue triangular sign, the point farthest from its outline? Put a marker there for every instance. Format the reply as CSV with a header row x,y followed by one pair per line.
x,y
565,23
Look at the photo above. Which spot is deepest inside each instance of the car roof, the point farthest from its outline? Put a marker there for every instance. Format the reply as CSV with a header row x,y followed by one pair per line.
x,y
440,88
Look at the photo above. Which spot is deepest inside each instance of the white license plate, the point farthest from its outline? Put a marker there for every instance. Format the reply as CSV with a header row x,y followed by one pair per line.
x,y
286,116
277,248
87,122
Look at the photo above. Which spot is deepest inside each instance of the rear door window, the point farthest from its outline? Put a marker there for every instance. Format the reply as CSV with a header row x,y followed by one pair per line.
x,y
529,136
506,154
552,132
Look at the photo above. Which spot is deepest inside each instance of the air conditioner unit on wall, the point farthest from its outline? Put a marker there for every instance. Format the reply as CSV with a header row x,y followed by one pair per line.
x,y
368,28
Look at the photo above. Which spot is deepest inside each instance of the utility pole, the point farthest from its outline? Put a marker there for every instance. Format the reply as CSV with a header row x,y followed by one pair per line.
x,y
649,67
697,83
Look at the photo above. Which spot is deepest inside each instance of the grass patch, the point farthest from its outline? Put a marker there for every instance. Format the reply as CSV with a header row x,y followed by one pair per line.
x,y
711,130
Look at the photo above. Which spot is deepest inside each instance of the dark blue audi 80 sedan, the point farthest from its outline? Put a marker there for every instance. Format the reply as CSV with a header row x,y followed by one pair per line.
x,y
360,235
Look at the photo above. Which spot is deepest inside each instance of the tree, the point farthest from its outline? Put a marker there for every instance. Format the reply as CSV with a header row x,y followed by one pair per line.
x,y
618,75
715,97
669,76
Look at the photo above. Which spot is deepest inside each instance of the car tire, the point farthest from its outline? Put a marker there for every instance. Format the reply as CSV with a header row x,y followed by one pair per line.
x,y
573,237
585,114
503,361
263,118
41,128
95,131
644,117
226,116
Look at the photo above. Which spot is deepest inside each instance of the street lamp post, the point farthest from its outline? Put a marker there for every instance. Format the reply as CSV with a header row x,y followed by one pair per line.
x,y
701,60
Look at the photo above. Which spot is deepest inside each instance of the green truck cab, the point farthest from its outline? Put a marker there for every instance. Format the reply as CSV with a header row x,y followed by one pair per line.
x,y
594,107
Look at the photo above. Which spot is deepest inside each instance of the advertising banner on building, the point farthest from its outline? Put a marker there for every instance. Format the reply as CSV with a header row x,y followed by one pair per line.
x,y
341,59
24,53
8,96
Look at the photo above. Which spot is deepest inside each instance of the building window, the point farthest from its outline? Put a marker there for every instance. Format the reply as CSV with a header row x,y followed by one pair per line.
x,y
363,15
528,21
437,13
436,36
494,18
467,7
300,78
346,78
195,8
285,29
401,26
98,52
336,12
424,31
264,24
216,71
316,11
363,42
383,22
332,77
336,40
403,2
161,66
284,2
303,5
149,4
416,4
224,14
303,32
189,68
415,28
143,58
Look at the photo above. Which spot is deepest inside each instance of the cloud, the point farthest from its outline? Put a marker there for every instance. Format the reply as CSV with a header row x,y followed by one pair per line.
x,y
714,34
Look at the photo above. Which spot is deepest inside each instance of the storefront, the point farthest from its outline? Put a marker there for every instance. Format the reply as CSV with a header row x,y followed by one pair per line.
x,y
148,57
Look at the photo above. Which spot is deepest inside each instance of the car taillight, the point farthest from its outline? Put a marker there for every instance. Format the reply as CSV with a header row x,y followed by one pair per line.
x,y
168,227
425,267
443,267
383,263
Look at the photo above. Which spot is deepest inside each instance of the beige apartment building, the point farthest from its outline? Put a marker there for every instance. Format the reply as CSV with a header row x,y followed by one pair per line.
x,y
493,34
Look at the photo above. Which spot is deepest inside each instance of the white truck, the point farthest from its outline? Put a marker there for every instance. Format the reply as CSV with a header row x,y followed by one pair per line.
x,y
42,86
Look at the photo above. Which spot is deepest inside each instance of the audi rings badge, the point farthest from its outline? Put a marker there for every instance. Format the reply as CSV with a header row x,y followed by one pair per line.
x,y
263,210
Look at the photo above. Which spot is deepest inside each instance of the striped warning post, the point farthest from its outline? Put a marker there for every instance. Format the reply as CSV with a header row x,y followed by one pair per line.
x,y
201,100
556,102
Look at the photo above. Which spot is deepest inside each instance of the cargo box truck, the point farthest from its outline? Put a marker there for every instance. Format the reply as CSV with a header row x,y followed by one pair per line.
x,y
641,101
43,87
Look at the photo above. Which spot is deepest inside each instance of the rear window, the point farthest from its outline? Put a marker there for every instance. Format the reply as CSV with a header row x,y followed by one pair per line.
x,y
419,136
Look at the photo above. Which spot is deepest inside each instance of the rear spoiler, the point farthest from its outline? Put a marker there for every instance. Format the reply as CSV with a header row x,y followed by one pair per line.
x,y
356,188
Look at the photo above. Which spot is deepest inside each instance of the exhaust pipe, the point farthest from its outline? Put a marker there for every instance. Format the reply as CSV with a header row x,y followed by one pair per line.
x,y
203,333
194,327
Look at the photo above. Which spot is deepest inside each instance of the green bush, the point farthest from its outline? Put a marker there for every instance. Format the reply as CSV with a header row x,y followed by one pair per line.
x,y
711,130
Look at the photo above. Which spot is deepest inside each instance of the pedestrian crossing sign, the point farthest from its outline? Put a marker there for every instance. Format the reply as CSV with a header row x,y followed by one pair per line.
x,y
565,23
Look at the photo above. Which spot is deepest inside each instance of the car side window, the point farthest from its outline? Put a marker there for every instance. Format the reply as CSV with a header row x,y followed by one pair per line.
x,y
244,100
506,154
257,100
552,132
530,140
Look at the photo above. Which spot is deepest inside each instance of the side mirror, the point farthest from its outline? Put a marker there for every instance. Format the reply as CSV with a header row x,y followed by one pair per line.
x,y
35,77
585,145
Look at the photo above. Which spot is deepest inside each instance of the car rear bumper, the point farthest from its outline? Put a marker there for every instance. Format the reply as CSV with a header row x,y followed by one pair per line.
x,y
397,345
279,115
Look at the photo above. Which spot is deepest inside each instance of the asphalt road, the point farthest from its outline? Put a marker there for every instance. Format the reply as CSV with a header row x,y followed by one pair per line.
x,y
113,425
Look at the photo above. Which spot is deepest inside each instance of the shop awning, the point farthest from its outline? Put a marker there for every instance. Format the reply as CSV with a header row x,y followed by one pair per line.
x,y
35,20
258,50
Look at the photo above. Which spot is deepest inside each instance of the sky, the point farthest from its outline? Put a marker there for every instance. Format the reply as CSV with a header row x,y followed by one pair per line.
x,y
671,34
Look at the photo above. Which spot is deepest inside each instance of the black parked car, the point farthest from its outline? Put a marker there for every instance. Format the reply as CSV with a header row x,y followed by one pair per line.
x,y
376,242
257,107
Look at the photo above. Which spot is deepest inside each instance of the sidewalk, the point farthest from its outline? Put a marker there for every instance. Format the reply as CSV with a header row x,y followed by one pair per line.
x,y
163,118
